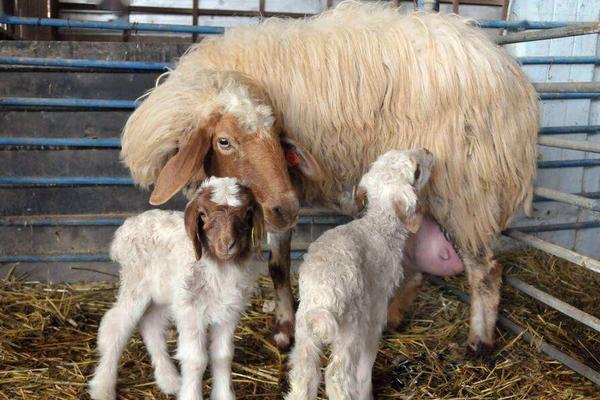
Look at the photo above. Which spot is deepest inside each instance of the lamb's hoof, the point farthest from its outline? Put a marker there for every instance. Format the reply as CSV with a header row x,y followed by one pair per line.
x,y
480,350
102,391
284,335
168,380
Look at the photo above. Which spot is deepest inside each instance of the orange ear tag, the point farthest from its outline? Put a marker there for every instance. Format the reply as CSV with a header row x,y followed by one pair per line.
x,y
292,157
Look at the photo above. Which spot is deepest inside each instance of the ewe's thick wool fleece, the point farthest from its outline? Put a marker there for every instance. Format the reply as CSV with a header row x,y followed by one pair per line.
x,y
362,79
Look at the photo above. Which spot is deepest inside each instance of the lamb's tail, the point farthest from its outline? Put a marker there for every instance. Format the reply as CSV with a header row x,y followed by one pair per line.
x,y
315,328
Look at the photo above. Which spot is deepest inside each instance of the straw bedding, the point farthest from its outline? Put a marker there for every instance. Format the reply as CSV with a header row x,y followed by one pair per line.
x,y
48,332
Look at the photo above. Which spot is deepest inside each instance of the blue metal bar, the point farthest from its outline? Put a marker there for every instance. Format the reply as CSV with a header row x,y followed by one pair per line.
x,y
568,96
71,103
330,220
62,142
158,66
589,195
65,181
116,25
294,255
559,130
98,64
523,25
558,60
557,227
591,162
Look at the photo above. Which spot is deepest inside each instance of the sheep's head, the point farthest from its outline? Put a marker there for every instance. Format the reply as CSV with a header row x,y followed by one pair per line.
x,y
224,221
394,182
239,135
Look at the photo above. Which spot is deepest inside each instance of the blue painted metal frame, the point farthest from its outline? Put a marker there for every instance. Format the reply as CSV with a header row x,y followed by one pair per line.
x,y
65,181
157,66
86,63
116,25
60,258
61,142
560,130
589,162
68,103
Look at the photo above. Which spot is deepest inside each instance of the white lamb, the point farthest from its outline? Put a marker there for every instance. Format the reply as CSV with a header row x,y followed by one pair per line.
x,y
348,276
200,283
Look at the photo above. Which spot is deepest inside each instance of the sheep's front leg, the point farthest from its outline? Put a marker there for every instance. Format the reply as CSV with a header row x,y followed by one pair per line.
x,y
279,269
484,277
403,298
221,354
191,352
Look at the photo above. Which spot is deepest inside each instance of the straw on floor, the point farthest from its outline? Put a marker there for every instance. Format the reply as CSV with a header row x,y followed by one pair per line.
x,y
48,333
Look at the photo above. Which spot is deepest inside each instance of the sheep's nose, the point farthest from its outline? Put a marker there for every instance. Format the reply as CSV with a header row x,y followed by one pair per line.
x,y
284,213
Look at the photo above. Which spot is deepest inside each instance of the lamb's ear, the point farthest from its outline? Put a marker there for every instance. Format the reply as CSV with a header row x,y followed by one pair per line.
x,y
411,219
298,157
192,220
360,198
186,164
258,230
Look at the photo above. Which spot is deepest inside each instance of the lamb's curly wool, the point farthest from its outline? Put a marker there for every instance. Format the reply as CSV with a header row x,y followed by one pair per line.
x,y
347,278
160,279
361,79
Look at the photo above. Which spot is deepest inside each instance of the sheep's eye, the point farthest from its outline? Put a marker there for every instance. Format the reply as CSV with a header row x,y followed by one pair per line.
x,y
202,214
224,143
417,173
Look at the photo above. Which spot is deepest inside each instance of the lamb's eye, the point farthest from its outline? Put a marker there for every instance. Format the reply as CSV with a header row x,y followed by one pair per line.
x,y
224,143
417,173
202,214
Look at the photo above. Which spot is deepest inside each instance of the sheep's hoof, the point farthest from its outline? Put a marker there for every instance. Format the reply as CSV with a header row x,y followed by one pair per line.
x,y
284,335
480,350
168,380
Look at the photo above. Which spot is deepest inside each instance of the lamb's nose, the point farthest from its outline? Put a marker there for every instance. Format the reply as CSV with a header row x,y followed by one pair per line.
x,y
231,245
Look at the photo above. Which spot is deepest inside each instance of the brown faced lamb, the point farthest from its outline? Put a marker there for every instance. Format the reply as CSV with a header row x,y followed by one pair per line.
x,y
191,267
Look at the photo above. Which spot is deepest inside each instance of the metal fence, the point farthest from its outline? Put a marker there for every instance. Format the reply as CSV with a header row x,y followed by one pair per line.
x,y
551,91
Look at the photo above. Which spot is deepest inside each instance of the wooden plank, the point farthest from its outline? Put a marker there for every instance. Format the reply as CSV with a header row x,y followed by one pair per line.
x,y
81,200
55,163
94,50
86,85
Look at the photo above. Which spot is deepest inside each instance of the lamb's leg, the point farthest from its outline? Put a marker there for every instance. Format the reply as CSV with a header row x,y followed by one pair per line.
x,y
484,275
403,298
153,327
364,372
221,354
113,334
279,269
340,374
305,374
191,351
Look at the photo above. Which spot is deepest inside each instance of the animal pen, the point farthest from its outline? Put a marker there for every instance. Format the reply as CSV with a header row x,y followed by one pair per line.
x,y
69,78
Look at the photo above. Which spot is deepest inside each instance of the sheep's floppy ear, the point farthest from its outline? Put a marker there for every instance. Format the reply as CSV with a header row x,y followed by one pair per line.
x,y
258,230
360,198
412,220
186,164
192,220
296,156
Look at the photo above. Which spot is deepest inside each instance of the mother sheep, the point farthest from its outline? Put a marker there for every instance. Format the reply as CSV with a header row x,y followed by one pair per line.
x,y
353,83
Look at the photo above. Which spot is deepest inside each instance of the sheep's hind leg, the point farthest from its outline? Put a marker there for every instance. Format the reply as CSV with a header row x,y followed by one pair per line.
x,y
113,334
484,275
364,372
153,327
279,269
403,298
